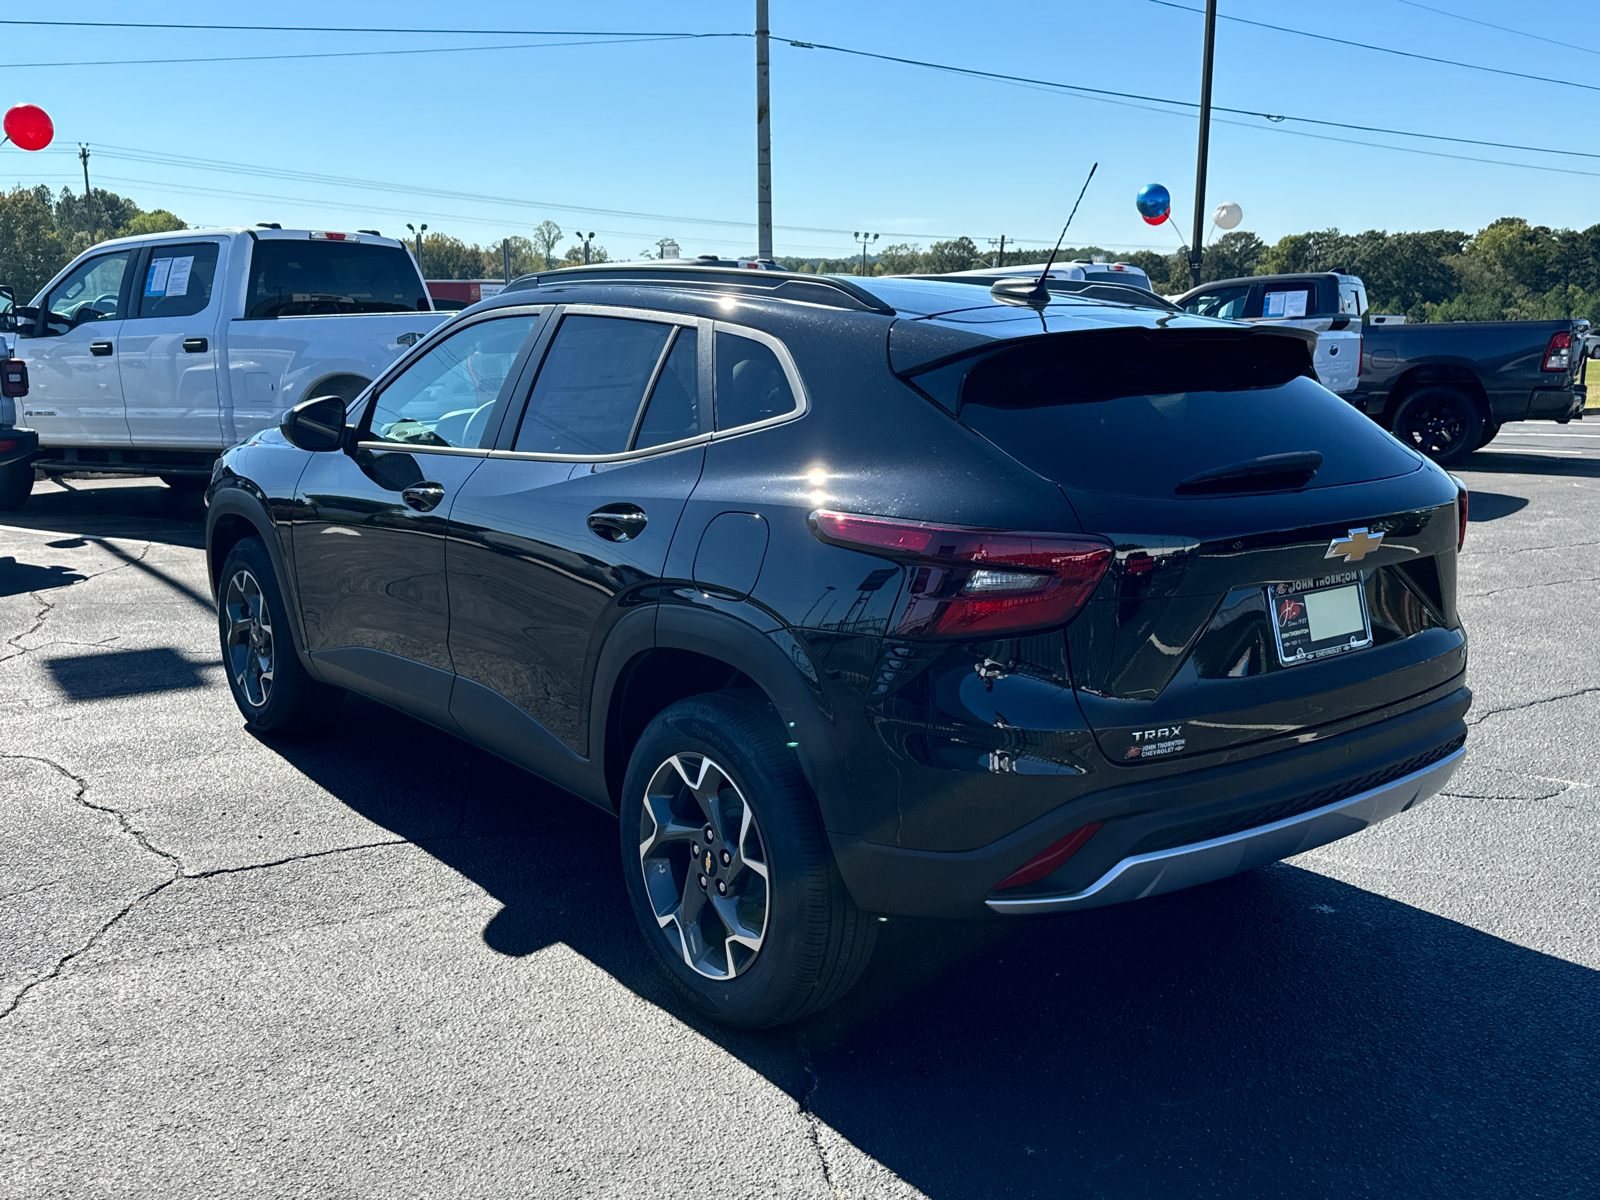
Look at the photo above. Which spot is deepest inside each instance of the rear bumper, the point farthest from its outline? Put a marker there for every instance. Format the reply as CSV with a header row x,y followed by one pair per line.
x,y
1559,404
16,445
1202,862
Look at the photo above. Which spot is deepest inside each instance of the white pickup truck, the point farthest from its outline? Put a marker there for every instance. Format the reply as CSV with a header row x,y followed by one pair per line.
x,y
151,355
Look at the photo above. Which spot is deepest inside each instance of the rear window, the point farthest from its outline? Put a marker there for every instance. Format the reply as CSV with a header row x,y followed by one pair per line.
x,y
1134,413
291,278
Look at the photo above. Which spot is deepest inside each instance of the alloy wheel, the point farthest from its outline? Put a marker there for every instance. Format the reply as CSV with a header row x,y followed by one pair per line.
x,y
705,866
248,639
1435,426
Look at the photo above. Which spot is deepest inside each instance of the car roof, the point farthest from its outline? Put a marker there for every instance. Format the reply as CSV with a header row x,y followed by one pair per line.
x,y
1292,277
184,235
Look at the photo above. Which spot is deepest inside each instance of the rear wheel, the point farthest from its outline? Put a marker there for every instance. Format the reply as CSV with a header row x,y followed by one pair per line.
x,y
270,685
728,868
1490,428
16,484
1441,422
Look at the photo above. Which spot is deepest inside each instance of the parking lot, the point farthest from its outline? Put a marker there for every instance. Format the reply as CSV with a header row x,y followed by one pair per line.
x,y
381,963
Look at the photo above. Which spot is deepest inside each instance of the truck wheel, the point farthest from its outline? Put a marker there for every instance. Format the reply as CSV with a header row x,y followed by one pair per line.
x,y
1490,428
728,868
1441,422
270,685
16,484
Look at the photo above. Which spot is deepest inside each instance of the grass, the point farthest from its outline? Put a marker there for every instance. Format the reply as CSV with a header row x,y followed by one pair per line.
x,y
1592,378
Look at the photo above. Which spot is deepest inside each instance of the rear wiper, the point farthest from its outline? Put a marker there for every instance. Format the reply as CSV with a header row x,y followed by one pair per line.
x,y
1268,473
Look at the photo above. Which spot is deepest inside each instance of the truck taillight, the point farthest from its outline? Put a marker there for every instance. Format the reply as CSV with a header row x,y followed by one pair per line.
x,y
1558,356
966,582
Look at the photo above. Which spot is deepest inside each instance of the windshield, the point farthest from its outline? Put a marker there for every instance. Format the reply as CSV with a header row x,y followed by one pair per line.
x,y
290,278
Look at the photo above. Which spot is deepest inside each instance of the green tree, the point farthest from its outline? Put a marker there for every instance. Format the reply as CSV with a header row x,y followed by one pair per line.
x,y
902,258
960,254
30,248
445,257
574,255
107,213
545,238
159,221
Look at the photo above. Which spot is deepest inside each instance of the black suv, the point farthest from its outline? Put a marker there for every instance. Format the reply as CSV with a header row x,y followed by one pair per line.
x,y
895,597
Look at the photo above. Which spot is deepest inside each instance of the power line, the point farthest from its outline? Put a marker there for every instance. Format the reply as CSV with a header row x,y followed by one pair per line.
x,y
648,33
1449,62
1443,12
1051,84
225,58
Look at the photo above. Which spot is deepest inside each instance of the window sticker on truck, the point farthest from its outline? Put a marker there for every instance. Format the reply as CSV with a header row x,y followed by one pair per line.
x,y
169,276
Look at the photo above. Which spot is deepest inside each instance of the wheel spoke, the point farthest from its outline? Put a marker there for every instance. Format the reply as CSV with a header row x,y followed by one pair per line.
x,y
667,827
737,931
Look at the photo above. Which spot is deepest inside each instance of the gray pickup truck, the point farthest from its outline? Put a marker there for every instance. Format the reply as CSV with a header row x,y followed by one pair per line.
x,y
1447,388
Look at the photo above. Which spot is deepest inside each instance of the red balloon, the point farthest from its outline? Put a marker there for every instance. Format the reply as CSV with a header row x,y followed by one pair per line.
x,y
29,126
1155,220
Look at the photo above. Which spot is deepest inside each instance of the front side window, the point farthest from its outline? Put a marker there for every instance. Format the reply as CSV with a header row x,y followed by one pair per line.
x,y
591,386
1226,303
90,293
751,383
177,280
446,396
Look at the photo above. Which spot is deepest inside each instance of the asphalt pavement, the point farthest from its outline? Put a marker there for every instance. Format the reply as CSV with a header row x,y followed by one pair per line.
x,y
380,963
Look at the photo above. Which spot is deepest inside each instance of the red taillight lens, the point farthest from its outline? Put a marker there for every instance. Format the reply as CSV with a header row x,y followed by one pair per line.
x,y
969,581
1048,860
1558,356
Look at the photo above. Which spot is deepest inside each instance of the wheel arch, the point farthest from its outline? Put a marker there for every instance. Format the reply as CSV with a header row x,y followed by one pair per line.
x,y
694,651
232,515
1449,373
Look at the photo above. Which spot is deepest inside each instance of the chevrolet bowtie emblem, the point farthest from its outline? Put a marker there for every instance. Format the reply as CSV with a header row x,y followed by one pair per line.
x,y
1354,548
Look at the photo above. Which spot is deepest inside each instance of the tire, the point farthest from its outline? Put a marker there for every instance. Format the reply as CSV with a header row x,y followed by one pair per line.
x,y
188,484
274,692
16,485
1441,422
784,893
1490,428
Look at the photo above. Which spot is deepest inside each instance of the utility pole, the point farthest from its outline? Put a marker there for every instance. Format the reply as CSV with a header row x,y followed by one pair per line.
x,y
763,139
88,196
505,258
1196,254
866,239
1000,258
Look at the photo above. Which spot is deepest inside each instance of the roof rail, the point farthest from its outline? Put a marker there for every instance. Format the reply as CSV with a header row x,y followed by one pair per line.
x,y
778,285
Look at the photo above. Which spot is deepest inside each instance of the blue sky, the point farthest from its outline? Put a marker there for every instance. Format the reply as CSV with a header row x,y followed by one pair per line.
x,y
666,129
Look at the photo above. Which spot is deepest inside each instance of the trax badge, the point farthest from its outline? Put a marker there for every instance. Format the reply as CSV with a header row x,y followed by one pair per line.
x,y
1355,547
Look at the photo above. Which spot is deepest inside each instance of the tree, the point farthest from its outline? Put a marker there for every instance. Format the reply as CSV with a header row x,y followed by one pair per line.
x,y
544,241
574,255
159,221
108,213
445,257
30,248
902,258
1236,253
961,254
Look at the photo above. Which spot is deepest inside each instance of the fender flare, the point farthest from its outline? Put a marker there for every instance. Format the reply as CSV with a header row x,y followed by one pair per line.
x,y
238,498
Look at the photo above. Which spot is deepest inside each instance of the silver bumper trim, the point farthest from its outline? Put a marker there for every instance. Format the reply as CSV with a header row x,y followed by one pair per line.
x,y
1201,862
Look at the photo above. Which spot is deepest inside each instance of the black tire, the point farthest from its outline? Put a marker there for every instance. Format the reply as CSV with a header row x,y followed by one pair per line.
x,y
188,484
271,686
1490,428
1442,422
814,942
16,485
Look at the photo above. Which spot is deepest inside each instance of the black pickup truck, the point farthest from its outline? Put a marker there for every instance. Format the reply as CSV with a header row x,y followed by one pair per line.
x,y
1447,388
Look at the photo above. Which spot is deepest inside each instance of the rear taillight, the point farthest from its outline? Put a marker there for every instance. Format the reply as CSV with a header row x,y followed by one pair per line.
x,y
1558,355
967,581
13,378
1047,860
1461,512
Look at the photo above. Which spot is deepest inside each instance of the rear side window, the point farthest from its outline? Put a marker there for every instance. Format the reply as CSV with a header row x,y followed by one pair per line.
x,y
751,383
673,412
1285,301
1226,303
591,385
1135,413
177,280
291,278
1352,300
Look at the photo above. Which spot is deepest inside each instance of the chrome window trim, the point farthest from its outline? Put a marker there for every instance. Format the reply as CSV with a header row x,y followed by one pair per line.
x,y
626,456
802,402
411,448
627,314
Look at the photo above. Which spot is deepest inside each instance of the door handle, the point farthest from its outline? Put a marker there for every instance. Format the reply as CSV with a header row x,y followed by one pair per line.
x,y
424,497
100,349
195,345
618,522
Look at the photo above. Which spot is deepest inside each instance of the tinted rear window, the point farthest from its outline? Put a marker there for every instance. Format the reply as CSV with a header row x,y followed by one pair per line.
x,y
291,278
1131,413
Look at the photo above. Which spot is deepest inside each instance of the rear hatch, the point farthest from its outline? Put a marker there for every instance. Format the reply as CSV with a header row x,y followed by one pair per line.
x,y
1282,564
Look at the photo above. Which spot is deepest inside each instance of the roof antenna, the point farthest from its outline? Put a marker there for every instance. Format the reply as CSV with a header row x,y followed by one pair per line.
x,y
1034,292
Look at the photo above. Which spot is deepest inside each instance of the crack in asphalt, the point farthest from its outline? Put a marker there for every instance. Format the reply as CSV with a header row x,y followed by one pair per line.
x,y
1522,587
814,1122
179,871
1529,549
48,606
1495,712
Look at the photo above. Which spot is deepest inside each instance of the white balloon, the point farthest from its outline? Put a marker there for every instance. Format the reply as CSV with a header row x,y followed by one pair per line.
x,y
1227,216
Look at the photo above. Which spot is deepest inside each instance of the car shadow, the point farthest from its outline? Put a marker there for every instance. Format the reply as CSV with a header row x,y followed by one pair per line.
x,y
97,675
1491,506
17,578
1500,462
1277,1034
135,508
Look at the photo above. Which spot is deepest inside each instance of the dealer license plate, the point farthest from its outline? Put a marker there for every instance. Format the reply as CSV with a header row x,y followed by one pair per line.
x,y
1317,618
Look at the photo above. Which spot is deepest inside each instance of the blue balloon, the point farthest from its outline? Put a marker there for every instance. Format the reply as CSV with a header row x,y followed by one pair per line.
x,y
1154,203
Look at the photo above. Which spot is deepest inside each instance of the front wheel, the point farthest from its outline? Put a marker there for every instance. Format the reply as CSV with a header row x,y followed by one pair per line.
x,y
728,867
1441,422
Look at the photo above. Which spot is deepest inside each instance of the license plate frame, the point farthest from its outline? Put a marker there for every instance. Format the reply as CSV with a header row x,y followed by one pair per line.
x,y
1291,615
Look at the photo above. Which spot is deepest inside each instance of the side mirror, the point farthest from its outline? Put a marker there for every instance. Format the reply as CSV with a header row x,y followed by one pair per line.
x,y
26,319
315,424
